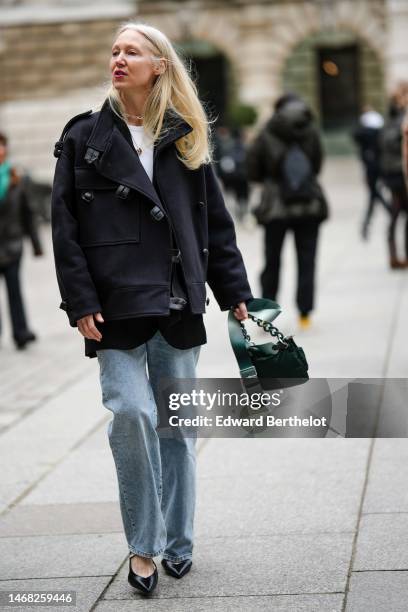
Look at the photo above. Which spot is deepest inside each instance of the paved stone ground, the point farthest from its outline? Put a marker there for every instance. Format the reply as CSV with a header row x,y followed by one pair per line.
x,y
284,524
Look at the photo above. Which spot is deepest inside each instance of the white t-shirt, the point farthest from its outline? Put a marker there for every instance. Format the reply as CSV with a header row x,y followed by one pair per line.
x,y
146,157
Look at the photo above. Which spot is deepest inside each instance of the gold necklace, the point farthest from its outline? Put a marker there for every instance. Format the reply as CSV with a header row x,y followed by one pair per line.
x,y
134,116
138,148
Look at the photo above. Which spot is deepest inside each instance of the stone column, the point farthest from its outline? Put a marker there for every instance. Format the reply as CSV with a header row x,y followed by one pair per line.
x,y
257,58
397,49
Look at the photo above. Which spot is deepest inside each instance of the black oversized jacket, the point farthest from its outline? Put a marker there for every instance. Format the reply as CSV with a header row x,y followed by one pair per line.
x,y
112,227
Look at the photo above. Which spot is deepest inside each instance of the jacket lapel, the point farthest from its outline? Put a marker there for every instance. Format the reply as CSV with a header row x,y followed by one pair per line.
x,y
118,159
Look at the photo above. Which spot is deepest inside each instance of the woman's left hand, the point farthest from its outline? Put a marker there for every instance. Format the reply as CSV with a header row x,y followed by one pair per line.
x,y
240,311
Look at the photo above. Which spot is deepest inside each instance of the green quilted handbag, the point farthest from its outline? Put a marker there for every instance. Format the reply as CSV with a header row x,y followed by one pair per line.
x,y
272,365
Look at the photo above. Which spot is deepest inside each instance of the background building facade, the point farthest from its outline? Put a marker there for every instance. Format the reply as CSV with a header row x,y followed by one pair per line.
x,y
339,54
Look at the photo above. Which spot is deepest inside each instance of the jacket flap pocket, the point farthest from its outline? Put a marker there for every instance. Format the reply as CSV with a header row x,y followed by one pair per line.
x,y
87,178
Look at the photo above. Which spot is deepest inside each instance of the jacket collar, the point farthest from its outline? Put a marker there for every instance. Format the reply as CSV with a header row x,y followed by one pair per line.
x,y
111,149
174,127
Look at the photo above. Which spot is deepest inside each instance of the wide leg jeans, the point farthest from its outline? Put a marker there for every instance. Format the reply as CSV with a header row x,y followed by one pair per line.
x,y
156,475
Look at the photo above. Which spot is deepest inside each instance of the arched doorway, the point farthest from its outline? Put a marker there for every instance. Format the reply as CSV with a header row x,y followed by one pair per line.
x,y
211,71
339,91
337,73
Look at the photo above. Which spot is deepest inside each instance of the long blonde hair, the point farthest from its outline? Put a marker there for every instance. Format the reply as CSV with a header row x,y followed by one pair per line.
x,y
174,89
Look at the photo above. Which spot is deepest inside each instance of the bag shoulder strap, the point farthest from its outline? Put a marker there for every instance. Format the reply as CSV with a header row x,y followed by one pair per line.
x,y
264,309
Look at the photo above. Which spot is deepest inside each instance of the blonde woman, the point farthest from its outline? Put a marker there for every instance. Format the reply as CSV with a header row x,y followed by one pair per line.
x,y
139,225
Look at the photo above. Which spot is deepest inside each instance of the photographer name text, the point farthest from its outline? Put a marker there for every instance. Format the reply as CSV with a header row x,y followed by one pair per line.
x,y
261,420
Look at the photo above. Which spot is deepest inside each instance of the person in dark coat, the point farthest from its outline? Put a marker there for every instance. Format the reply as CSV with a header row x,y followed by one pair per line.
x,y
286,158
391,144
230,155
405,148
139,225
17,219
367,137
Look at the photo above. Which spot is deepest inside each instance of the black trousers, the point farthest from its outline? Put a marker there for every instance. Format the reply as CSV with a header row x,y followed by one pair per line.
x,y
18,318
306,235
375,195
399,205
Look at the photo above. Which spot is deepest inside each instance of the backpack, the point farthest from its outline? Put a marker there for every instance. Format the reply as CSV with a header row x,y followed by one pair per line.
x,y
297,180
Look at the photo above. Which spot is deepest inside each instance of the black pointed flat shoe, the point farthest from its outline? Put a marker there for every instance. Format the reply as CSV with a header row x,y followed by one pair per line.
x,y
178,570
145,584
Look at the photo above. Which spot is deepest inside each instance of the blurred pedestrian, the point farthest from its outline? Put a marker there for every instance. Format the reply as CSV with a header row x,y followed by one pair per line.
x,y
16,220
230,153
240,184
367,137
139,225
405,148
286,157
391,143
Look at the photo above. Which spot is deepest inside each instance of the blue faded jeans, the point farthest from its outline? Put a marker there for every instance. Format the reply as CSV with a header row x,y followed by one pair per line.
x,y
156,475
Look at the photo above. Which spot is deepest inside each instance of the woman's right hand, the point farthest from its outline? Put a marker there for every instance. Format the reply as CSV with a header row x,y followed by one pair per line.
x,y
87,327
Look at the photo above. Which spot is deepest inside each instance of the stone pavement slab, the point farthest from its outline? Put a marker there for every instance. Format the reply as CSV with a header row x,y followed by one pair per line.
x,y
87,591
382,542
378,592
23,520
252,603
86,476
281,486
30,449
258,565
387,489
59,556
254,457
397,356
267,506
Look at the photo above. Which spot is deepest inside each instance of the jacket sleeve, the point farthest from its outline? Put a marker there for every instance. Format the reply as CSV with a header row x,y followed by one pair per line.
x,y
77,289
317,152
226,273
30,223
255,160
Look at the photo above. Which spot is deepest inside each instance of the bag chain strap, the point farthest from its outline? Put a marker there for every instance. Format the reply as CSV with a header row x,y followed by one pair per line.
x,y
266,326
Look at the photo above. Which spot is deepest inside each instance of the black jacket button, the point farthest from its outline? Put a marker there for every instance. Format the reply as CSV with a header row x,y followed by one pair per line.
x,y
207,301
157,213
88,196
122,192
205,251
201,204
